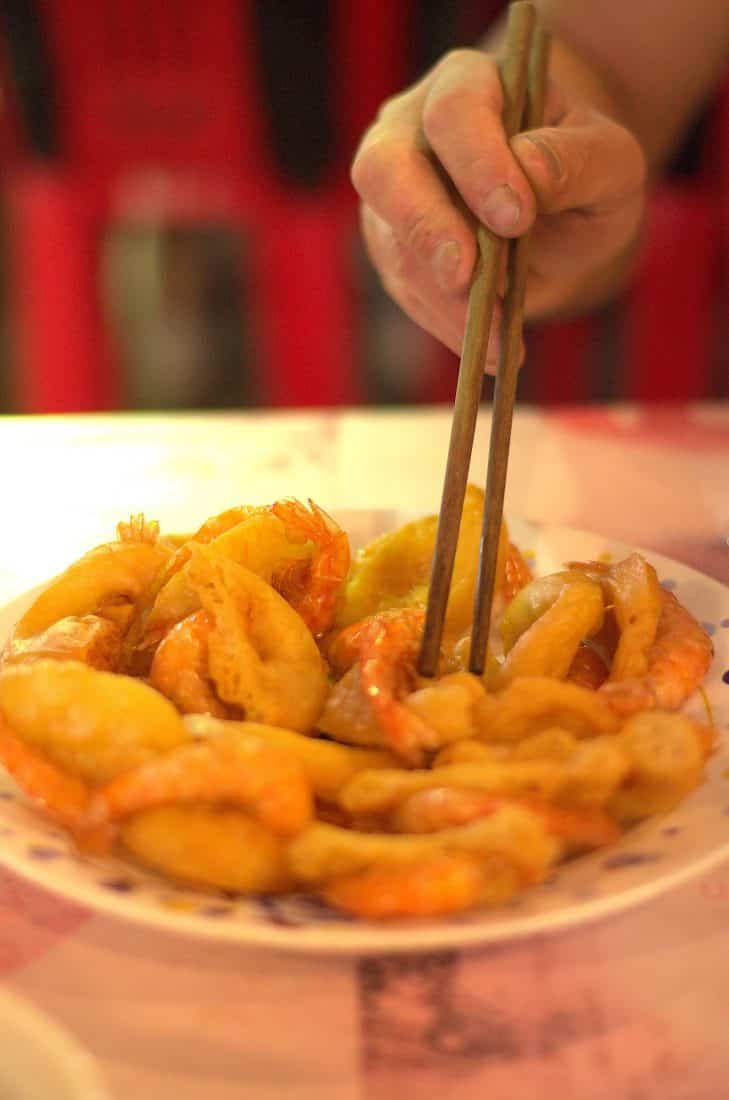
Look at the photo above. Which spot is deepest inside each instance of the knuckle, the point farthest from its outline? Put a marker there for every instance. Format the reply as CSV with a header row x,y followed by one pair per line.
x,y
420,234
459,59
389,254
443,105
396,261
465,81
377,158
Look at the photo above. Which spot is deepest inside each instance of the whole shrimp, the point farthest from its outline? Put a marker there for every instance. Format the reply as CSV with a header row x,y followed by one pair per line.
x,y
313,588
446,883
300,552
229,770
386,648
677,662
180,667
261,657
91,723
429,811
516,573
64,798
662,653
94,640
113,573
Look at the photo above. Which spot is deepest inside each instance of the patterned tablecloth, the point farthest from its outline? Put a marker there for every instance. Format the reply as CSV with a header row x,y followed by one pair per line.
x,y
631,1008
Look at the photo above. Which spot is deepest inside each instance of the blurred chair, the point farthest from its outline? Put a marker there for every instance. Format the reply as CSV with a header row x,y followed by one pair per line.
x,y
157,117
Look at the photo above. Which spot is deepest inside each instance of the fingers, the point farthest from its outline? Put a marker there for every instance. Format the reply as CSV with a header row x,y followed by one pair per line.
x,y
412,285
401,184
435,157
587,163
435,150
461,121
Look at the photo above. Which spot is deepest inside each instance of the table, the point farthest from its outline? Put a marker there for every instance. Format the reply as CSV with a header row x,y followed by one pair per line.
x,y
632,1008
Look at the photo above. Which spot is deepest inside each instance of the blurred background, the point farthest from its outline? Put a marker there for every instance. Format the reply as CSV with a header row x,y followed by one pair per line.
x,y
178,229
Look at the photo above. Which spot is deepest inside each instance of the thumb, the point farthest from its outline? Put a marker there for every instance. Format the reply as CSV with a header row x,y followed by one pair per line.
x,y
586,163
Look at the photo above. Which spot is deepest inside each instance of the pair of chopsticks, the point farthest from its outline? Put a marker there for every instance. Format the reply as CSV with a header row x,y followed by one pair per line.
x,y
523,70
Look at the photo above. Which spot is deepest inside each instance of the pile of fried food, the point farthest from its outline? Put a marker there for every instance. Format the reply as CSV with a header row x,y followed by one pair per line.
x,y
240,709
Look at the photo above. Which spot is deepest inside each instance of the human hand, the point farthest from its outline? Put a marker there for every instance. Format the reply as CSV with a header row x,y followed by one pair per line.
x,y
436,160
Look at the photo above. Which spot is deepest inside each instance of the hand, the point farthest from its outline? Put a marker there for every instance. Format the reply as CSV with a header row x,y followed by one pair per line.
x,y
436,159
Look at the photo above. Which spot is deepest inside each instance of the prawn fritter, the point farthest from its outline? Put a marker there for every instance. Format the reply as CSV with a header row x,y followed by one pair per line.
x,y
677,662
446,807
447,705
180,667
380,791
666,754
323,852
64,797
210,847
530,704
372,694
299,551
551,643
327,766
315,590
262,658
93,724
531,602
636,596
435,886
88,638
394,570
110,573
252,537
347,715
229,770
633,593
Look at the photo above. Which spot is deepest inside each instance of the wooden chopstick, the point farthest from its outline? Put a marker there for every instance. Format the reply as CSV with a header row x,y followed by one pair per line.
x,y
513,71
507,377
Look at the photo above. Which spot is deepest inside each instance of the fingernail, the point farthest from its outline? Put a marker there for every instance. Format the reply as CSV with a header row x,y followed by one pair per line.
x,y
551,161
445,262
501,210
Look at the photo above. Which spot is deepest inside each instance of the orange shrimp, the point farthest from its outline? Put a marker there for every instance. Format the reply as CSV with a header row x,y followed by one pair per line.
x,y
138,529
517,573
94,640
446,883
384,647
136,636
438,808
678,661
388,652
342,648
313,588
588,668
211,529
180,667
63,797
241,772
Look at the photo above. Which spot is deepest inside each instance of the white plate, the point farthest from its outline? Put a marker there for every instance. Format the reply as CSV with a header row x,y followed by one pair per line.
x,y
650,859
40,1060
